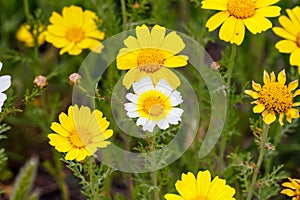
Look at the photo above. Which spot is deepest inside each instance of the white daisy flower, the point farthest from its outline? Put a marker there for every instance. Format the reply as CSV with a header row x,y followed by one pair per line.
x,y
154,105
4,85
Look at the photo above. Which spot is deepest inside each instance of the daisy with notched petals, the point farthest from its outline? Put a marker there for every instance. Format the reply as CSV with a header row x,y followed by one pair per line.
x,y
5,82
151,53
74,30
201,188
290,31
292,188
154,105
80,132
235,15
274,97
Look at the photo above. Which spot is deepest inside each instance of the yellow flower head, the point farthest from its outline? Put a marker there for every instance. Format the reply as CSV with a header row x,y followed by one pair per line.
x,y
80,132
292,188
274,97
24,35
236,14
74,30
290,31
201,188
149,54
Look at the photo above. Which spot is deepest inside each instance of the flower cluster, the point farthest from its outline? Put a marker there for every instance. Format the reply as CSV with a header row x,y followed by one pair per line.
x,y
5,82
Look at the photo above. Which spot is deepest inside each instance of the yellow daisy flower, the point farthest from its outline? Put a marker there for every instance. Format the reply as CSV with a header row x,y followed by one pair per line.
x,y
80,132
293,188
274,97
290,31
74,30
201,188
24,35
149,54
154,105
236,14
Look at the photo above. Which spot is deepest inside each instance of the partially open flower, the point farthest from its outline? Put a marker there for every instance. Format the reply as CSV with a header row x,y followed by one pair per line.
x,y
40,81
74,79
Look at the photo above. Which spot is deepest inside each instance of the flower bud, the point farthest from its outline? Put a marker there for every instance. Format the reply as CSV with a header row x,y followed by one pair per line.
x,y
40,81
74,79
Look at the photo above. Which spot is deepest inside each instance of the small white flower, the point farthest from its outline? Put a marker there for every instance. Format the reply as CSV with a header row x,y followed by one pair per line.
x,y
4,85
154,105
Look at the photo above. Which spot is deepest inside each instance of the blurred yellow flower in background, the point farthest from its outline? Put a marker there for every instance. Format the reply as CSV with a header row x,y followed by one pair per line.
x,y
290,31
274,97
149,54
201,188
80,132
25,35
292,188
234,15
74,30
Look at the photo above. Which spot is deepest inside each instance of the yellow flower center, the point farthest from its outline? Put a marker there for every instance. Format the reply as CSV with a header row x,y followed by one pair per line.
x,y
276,97
153,104
75,34
79,138
241,9
298,40
150,60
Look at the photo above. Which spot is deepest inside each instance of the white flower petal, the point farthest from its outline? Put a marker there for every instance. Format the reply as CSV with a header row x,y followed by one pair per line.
x,y
149,126
143,85
174,116
132,97
2,99
175,98
4,82
133,114
163,124
141,121
0,66
164,87
130,107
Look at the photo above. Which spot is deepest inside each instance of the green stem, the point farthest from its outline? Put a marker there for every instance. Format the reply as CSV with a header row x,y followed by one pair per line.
x,y
263,142
154,173
124,13
26,10
228,97
91,178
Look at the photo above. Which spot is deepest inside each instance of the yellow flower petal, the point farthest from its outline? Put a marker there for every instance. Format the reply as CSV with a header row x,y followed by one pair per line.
x,y
288,192
293,85
176,61
266,77
70,14
168,75
269,118
270,11
172,43
293,112
286,46
227,29
256,86
281,115
157,36
72,154
216,20
264,3
143,35
294,57
252,93
296,93
56,127
296,104
258,108
292,15
254,27
287,24
214,5
272,77
284,34
203,178
239,33
173,197
282,77
131,76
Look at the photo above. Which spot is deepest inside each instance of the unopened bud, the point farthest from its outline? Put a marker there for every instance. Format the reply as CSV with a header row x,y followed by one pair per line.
x,y
136,5
74,79
40,81
215,66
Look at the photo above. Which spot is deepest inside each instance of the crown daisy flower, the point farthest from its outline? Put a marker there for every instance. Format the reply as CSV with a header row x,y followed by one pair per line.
x,y
292,188
154,105
80,132
202,187
290,31
150,54
274,97
24,35
5,82
234,15
74,30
